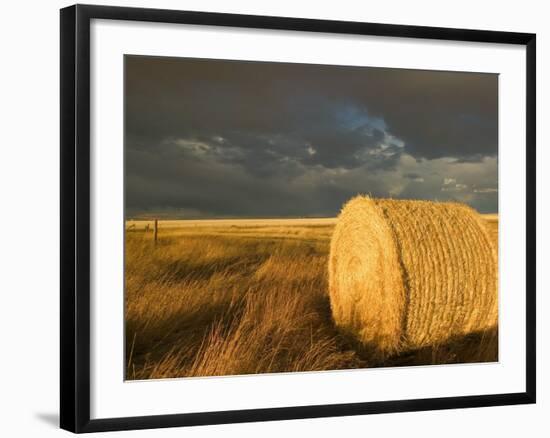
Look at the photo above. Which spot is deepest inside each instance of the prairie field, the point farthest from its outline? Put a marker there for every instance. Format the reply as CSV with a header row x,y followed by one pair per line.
x,y
247,296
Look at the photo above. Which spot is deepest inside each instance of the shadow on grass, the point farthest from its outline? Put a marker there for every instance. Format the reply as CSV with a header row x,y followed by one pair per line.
x,y
178,331
476,347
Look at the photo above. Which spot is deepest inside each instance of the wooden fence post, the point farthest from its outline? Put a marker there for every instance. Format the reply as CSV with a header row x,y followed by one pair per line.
x,y
155,231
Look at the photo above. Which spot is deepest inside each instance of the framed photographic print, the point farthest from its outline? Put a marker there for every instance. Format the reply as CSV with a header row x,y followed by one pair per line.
x,y
269,218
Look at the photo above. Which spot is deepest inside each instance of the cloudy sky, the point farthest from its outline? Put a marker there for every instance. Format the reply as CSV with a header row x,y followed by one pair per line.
x,y
213,138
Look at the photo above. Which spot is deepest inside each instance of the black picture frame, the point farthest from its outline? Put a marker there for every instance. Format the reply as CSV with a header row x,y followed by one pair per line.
x,y
75,217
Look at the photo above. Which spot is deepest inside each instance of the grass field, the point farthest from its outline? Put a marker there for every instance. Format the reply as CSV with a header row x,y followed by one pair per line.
x,y
226,297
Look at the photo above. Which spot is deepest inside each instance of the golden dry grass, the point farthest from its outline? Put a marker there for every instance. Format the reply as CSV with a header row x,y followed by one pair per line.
x,y
243,297
410,274
230,299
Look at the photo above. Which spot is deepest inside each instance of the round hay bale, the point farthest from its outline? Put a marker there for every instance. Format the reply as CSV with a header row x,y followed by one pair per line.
x,y
411,274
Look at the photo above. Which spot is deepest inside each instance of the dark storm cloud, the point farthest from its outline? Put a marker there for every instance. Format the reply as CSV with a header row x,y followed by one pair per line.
x,y
271,139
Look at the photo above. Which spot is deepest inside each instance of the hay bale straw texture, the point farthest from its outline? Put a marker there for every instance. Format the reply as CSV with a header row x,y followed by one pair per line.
x,y
410,274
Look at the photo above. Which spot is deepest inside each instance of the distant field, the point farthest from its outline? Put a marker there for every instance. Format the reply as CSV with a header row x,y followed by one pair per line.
x,y
179,223
492,225
222,297
301,229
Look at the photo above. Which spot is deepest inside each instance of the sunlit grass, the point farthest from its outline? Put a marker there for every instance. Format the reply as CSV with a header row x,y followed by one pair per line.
x,y
240,298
